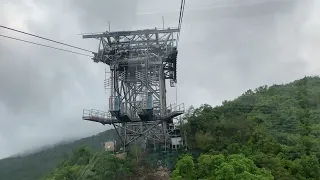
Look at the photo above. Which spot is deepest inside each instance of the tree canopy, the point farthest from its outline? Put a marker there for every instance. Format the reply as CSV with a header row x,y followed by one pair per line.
x,y
266,133
85,165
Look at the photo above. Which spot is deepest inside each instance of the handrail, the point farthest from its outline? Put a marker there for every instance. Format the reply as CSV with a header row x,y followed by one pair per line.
x,y
174,107
97,114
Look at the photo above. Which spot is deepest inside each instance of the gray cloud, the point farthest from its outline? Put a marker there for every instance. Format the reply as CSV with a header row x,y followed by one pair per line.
x,y
94,17
225,48
242,47
43,91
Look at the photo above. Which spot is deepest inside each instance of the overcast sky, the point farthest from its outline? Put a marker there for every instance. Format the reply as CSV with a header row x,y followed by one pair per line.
x,y
226,47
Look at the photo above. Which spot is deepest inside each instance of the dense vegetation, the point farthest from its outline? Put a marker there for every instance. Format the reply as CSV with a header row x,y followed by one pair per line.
x,y
83,164
33,166
269,133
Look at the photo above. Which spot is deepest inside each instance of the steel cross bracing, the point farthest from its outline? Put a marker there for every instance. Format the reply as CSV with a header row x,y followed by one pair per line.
x,y
140,62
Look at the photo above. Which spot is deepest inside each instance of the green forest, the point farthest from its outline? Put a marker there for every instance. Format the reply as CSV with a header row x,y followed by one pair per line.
x,y
84,164
271,132
264,134
36,165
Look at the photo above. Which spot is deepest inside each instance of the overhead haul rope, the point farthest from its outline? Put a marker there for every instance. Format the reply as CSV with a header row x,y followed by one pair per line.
x,y
43,45
183,2
45,38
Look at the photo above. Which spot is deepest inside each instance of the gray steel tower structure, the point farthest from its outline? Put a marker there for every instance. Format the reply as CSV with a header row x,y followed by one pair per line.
x,y
140,63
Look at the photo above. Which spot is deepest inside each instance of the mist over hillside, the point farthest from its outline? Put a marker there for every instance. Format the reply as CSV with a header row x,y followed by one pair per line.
x,y
34,164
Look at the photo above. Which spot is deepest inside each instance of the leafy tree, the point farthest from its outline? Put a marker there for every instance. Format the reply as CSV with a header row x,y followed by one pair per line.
x,y
107,166
233,167
184,169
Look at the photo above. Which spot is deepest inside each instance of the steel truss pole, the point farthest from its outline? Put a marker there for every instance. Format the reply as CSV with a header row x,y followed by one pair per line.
x,y
140,63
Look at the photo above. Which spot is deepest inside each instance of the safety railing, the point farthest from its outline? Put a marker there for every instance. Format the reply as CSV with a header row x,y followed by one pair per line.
x,y
175,108
96,114
173,126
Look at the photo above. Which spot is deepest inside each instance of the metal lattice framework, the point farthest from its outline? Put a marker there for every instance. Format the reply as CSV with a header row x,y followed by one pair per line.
x,y
140,63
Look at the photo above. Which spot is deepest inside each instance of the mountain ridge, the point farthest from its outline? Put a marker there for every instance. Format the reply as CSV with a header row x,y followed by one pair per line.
x,y
37,164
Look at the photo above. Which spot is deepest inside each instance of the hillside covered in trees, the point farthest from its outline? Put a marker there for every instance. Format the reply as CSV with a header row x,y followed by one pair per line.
x,y
34,166
264,134
267,133
84,164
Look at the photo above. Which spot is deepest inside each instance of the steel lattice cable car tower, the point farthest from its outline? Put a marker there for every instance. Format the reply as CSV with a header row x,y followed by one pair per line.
x,y
140,63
